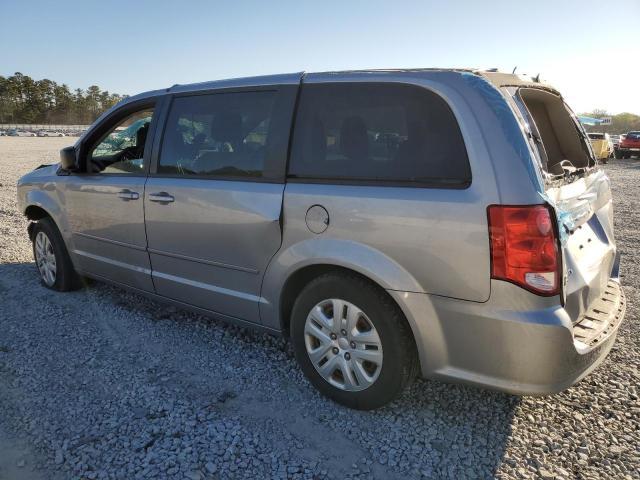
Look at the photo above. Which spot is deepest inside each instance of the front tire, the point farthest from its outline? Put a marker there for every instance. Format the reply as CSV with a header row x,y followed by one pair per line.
x,y
352,341
52,259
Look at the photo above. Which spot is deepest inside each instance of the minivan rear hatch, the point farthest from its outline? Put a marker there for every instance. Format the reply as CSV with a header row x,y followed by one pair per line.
x,y
578,190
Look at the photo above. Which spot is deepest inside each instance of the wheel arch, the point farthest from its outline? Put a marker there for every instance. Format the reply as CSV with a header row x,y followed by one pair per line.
x,y
39,204
36,212
298,279
294,267
299,260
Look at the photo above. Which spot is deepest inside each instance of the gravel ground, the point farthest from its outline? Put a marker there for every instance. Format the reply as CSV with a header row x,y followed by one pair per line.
x,y
101,383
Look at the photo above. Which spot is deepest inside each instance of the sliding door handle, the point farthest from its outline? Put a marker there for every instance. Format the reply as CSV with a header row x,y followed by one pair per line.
x,y
161,197
127,194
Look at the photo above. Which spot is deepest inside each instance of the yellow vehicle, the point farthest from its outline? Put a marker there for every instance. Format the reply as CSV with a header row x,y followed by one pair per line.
x,y
602,145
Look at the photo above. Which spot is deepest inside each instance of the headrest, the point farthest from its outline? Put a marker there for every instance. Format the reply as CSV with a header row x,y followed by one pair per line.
x,y
354,142
141,135
227,127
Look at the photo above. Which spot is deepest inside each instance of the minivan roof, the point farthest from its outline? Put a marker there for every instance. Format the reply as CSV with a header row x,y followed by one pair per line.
x,y
498,79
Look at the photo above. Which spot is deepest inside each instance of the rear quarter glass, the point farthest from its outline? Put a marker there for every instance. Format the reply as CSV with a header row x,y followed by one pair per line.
x,y
377,132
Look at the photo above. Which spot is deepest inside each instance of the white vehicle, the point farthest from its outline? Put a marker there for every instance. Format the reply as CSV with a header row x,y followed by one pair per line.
x,y
50,133
615,140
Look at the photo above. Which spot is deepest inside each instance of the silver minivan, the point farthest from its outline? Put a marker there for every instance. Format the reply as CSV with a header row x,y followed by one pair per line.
x,y
448,223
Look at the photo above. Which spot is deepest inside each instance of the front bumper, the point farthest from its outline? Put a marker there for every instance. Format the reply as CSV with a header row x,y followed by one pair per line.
x,y
516,342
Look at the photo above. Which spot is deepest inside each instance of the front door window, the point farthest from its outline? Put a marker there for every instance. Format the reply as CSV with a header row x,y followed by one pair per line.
x,y
122,149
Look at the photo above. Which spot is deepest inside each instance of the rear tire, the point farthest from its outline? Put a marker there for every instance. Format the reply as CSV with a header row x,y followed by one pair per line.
x,y
617,154
52,258
370,325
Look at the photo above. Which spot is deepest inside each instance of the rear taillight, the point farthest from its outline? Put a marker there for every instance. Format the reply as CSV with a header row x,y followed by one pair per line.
x,y
524,247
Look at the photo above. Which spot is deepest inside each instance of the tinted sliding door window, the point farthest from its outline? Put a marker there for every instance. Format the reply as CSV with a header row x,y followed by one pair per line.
x,y
367,132
218,135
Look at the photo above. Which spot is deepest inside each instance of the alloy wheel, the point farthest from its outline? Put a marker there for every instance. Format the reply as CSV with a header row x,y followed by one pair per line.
x,y
45,259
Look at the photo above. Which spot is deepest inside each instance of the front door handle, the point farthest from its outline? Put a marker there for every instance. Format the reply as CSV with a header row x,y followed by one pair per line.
x,y
127,194
161,197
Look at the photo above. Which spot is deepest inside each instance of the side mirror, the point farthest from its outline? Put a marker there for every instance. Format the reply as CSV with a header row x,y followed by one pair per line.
x,y
68,158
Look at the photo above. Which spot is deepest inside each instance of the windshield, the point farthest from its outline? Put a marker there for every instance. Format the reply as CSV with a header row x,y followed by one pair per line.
x,y
633,135
121,137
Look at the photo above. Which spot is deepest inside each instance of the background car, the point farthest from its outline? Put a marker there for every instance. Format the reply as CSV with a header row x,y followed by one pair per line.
x,y
615,140
610,145
602,146
22,133
629,145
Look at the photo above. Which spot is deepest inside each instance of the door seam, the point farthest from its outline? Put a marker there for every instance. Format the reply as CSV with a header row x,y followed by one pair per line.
x,y
146,236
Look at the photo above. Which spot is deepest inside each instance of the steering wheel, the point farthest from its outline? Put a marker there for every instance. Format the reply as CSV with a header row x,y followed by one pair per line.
x,y
130,153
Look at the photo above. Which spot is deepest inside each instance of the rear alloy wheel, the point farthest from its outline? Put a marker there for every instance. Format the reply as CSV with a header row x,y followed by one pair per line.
x,y
352,341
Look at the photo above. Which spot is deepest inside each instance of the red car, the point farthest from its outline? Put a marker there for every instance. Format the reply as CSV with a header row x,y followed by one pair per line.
x,y
629,145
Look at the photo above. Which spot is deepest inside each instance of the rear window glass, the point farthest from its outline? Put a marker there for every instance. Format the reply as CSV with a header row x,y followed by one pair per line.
x,y
219,135
377,132
633,135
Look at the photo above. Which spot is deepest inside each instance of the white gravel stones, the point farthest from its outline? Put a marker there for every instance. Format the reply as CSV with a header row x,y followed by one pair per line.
x,y
104,384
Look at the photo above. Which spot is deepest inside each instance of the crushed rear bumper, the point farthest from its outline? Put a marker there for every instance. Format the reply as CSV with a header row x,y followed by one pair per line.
x,y
601,319
515,342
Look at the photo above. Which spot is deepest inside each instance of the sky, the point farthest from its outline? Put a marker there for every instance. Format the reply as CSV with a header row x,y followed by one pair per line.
x,y
587,49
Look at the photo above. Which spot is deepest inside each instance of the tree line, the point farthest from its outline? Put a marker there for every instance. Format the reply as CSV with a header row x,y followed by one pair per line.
x,y
25,100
